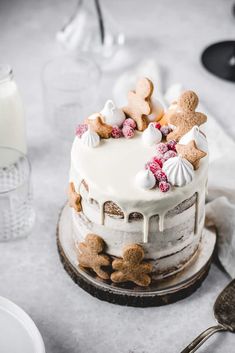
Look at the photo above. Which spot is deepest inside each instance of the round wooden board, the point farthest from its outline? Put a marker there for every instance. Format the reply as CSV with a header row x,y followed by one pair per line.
x,y
160,292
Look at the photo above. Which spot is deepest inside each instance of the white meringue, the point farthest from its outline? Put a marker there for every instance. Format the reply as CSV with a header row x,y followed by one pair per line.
x,y
151,135
198,136
157,110
90,138
145,179
179,171
112,115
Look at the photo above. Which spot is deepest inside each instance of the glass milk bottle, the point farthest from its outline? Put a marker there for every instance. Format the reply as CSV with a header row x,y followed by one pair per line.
x,y
12,120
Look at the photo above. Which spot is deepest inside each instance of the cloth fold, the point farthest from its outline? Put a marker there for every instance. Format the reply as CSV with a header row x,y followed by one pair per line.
x,y
220,208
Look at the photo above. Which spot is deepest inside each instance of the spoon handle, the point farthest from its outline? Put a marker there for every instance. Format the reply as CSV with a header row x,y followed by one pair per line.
x,y
192,347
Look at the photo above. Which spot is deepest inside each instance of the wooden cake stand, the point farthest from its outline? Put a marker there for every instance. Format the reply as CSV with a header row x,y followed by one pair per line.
x,y
160,292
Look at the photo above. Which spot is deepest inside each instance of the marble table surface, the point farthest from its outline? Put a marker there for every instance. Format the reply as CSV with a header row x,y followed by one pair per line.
x,y
31,274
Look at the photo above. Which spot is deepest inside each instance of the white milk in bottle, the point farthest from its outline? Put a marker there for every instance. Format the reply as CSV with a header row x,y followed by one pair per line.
x,y
12,119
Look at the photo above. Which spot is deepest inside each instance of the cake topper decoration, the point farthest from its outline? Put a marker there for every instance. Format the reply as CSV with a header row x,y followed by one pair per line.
x,y
191,153
145,179
91,255
131,268
116,132
185,117
196,135
90,138
97,124
112,115
74,198
151,135
139,104
179,171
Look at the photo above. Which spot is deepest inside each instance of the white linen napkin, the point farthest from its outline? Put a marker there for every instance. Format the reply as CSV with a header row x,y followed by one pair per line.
x,y
220,209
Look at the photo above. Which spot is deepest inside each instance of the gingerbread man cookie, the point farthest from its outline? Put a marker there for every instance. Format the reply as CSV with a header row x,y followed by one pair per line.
x,y
97,124
131,268
139,103
184,117
91,255
74,198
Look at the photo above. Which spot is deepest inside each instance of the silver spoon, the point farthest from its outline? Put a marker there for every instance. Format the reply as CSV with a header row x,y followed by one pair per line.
x,y
224,311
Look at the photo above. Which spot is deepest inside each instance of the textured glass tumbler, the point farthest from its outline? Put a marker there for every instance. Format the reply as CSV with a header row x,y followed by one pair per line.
x,y
16,212
70,89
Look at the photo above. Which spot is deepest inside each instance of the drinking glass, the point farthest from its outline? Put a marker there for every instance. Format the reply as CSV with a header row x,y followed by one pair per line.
x,y
71,90
16,211
92,29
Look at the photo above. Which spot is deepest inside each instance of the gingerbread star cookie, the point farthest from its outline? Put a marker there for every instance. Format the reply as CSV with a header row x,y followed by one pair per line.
x,y
97,124
139,103
91,255
131,268
185,116
191,153
74,198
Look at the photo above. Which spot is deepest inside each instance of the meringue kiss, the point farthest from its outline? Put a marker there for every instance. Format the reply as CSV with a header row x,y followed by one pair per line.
x,y
179,171
90,138
112,115
151,135
145,179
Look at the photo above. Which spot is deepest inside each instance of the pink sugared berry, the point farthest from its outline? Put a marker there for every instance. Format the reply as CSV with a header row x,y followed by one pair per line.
x,y
153,167
130,122
163,160
128,132
164,186
171,145
169,154
158,126
116,132
80,129
160,175
161,148
157,160
165,130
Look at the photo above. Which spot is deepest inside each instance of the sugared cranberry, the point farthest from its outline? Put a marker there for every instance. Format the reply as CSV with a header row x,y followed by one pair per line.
x,y
171,145
161,148
130,122
157,160
160,175
116,132
164,186
169,154
80,129
153,167
158,126
165,130
128,131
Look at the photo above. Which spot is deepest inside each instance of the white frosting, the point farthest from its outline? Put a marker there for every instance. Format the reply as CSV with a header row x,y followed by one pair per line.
x,y
110,170
90,138
198,136
157,110
179,171
145,179
112,115
151,135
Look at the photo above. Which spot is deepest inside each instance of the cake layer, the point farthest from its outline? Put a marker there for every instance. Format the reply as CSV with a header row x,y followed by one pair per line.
x,y
169,250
